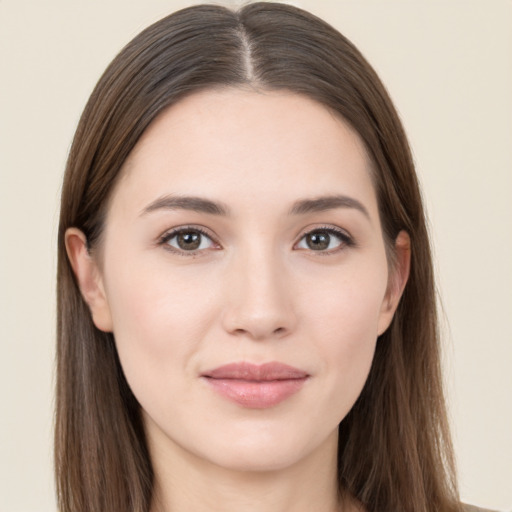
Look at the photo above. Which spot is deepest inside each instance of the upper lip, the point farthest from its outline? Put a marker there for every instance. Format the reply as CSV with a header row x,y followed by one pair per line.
x,y
256,372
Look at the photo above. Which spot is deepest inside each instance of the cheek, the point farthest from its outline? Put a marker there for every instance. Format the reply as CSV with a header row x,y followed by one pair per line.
x,y
348,347
348,304
344,324
159,319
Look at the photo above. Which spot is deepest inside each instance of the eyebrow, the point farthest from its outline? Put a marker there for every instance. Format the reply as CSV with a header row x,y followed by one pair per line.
x,y
301,207
196,204
325,203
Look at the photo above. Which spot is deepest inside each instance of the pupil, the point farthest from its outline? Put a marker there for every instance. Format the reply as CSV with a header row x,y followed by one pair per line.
x,y
189,240
318,241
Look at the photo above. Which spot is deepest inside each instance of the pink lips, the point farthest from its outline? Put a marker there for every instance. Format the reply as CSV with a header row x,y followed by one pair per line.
x,y
256,386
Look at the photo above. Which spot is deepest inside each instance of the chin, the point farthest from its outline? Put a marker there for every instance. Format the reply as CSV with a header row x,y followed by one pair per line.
x,y
264,450
256,459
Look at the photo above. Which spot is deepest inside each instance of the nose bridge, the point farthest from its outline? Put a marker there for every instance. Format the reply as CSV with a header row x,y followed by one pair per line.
x,y
260,303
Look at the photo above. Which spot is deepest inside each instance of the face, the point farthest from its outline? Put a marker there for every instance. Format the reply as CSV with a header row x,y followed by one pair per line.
x,y
244,276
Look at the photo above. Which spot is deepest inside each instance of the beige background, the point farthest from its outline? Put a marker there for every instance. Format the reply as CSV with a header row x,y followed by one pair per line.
x,y
448,66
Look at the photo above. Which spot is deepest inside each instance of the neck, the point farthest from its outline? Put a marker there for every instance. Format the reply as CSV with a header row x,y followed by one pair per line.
x,y
185,483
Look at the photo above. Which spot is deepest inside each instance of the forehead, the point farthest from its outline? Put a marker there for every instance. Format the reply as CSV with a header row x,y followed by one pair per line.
x,y
239,146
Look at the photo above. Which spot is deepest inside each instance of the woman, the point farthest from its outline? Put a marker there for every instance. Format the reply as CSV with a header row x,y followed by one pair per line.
x,y
246,300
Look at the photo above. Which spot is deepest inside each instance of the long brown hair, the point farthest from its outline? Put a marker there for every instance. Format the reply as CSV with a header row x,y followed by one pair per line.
x,y
394,445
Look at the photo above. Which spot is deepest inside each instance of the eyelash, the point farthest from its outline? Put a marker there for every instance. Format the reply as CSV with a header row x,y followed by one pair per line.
x,y
169,235
345,239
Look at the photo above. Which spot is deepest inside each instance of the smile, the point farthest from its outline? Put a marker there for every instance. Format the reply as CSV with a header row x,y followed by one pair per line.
x,y
256,386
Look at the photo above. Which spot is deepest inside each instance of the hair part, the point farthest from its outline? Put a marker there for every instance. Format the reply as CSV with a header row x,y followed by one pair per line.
x,y
394,445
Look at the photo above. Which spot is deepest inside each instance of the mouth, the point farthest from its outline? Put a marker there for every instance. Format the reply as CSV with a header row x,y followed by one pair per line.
x,y
256,386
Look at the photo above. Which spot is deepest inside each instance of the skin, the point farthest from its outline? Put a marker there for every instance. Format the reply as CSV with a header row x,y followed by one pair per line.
x,y
253,291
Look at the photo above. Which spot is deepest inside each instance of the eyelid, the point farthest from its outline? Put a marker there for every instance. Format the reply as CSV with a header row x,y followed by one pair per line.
x,y
346,239
164,238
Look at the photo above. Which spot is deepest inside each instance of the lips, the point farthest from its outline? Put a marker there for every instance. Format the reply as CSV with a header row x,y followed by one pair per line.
x,y
256,386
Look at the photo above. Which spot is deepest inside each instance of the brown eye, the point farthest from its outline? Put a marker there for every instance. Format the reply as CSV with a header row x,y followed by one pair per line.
x,y
324,240
187,240
318,240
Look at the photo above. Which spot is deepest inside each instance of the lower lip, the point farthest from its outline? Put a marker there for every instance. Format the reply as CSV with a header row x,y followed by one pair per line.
x,y
256,394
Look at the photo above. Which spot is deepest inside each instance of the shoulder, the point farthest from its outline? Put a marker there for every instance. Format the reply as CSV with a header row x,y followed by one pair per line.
x,y
472,508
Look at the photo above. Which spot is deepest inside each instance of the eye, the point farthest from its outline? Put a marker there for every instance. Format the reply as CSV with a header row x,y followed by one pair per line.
x,y
325,240
191,240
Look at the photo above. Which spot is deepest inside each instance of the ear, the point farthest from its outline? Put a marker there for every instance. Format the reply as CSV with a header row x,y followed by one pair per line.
x,y
397,280
89,278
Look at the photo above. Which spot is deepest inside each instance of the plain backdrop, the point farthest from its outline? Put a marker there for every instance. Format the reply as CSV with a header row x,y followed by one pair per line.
x,y
448,67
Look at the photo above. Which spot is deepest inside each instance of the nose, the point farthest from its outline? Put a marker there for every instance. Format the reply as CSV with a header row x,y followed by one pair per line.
x,y
260,302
